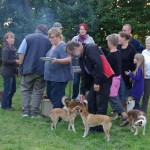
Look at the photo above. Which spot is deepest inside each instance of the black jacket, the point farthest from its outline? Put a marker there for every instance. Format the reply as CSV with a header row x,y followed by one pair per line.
x,y
9,66
91,60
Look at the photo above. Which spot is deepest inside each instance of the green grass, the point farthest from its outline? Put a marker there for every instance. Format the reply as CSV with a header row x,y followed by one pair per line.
x,y
17,133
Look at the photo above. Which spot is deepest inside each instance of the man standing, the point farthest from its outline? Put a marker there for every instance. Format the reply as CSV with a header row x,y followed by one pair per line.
x,y
96,76
138,46
31,49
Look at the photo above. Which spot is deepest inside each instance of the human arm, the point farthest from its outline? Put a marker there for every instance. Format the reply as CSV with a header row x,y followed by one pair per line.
x,y
62,57
22,50
135,77
62,61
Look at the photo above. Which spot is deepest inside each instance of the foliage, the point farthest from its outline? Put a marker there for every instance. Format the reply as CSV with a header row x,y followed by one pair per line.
x,y
102,16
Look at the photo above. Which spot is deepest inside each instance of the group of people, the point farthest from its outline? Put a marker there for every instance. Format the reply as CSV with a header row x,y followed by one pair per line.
x,y
124,71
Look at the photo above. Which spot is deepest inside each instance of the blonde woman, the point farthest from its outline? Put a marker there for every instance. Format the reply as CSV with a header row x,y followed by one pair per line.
x,y
146,54
58,71
138,79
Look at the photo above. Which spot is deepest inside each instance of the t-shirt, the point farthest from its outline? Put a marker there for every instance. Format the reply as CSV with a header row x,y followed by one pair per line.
x,y
114,59
58,72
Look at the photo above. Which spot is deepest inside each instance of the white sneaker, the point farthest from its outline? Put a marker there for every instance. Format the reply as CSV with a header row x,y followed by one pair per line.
x,y
35,116
25,115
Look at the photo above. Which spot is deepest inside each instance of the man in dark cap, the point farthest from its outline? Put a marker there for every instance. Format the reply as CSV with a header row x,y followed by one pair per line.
x,y
31,49
57,25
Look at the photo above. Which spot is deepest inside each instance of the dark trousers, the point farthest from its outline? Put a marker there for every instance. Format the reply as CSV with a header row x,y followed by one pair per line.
x,y
76,83
116,104
146,95
55,92
9,84
137,104
98,101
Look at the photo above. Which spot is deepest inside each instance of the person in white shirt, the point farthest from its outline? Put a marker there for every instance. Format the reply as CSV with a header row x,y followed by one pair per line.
x,y
146,54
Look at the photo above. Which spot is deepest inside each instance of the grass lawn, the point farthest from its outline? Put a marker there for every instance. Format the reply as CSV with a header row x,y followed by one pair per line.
x,y
17,133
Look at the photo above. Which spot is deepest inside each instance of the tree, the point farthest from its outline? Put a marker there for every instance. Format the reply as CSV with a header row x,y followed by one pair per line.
x,y
102,16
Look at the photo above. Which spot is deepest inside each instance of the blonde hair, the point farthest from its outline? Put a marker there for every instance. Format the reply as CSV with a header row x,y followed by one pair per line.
x,y
140,63
147,39
113,39
55,31
6,36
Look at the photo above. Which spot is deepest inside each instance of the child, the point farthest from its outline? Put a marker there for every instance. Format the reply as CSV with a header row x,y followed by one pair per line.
x,y
114,58
138,79
9,70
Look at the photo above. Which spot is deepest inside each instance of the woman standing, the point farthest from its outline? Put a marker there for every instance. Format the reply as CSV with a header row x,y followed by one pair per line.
x,y
114,59
146,54
58,71
82,37
127,55
9,70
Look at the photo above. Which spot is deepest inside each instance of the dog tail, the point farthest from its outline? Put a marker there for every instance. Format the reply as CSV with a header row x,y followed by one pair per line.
x,y
114,117
65,99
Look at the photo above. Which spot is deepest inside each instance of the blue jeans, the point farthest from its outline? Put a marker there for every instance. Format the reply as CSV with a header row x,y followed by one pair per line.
x,y
55,92
124,91
76,84
9,84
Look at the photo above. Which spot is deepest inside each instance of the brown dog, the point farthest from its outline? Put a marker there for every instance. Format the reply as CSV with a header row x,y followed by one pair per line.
x,y
65,115
70,104
92,120
136,118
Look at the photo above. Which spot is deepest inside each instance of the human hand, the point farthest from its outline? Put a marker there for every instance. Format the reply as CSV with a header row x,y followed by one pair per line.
x,y
97,87
54,60
81,98
127,72
17,61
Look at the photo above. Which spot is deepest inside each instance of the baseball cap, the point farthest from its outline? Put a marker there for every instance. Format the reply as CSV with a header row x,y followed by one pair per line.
x,y
57,25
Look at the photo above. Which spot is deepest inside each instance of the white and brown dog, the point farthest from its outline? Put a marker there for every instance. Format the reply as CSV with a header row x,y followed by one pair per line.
x,y
137,118
92,120
130,103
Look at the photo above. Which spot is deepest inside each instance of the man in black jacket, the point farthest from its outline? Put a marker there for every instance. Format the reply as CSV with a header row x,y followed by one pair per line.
x,y
96,76
127,28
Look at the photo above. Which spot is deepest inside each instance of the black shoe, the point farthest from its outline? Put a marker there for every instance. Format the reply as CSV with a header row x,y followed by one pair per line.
x,y
99,129
124,123
11,109
92,130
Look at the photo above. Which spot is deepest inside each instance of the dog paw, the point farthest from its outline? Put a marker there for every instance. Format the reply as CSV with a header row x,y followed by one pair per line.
x,y
143,133
131,130
135,134
108,140
84,136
